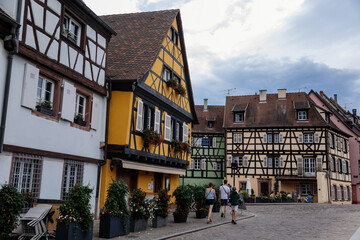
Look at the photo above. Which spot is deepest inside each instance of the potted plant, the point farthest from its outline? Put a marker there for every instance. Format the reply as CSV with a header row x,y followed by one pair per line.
x,y
172,83
283,196
75,220
180,146
183,199
180,90
45,107
11,203
139,210
200,201
79,119
161,209
151,137
29,201
115,218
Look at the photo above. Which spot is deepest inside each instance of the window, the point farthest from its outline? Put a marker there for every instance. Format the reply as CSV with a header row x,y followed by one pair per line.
x,y
80,106
345,146
340,165
302,115
196,142
327,117
333,197
308,137
174,36
277,162
333,164
347,169
332,140
237,138
177,130
269,138
242,185
309,166
73,174
167,183
45,92
26,173
197,164
210,124
270,162
238,161
166,74
239,117
306,189
72,29
339,190
218,166
149,118
346,197
276,138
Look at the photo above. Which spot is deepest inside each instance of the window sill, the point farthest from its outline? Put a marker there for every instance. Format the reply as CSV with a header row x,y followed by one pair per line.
x,y
43,115
71,43
84,128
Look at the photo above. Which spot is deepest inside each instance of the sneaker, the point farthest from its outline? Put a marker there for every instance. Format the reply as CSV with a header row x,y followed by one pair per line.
x,y
233,222
222,215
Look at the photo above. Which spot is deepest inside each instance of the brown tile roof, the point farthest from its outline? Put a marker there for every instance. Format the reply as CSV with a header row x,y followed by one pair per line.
x,y
213,113
272,113
139,37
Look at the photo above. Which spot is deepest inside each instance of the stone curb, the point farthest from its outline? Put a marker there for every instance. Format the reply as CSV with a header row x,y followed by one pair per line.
x,y
202,228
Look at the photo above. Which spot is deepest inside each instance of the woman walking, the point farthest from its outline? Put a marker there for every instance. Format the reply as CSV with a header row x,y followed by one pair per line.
x,y
234,201
210,199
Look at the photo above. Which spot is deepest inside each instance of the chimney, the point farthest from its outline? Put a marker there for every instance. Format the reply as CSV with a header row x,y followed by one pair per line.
x,y
205,104
282,94
354,112
321,93
335,98
263,96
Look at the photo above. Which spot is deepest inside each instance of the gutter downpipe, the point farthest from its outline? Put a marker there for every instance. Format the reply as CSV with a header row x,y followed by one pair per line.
x,y
102,163
14,39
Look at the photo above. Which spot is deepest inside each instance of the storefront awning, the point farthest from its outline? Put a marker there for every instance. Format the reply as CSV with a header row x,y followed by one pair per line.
x,y
150,168
296,178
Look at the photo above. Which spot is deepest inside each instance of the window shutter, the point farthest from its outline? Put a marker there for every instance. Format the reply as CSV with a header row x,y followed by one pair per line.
x,y
167,131
330,138
95,112
344,166
29,89
191,163
336,165
203,164
340,165
281,159
214,142
300,166
316,138
214,165
281,138
345,193
185,132
332,192
157,121
68,102
300,138
265,161
339,192
245,161
240,140
332,162
265,138
319,164
229,160
139,116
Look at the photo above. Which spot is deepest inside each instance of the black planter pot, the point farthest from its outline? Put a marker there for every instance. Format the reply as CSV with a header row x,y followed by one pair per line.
x,y
72,231
258,200
277,200
80,122
159,222
216,209
44,110
180,218
201,214
249,200
113,226
137,225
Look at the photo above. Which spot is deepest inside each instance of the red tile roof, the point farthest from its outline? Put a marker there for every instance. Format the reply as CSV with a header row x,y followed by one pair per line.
x,y
139,37
213,113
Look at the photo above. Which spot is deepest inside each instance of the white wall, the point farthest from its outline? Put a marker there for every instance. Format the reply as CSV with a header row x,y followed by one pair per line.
x,y
90,177
27,130
3,67
5,166
9,6
51,179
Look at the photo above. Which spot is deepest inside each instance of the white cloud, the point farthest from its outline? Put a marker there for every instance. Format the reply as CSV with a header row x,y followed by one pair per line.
x,y
106,7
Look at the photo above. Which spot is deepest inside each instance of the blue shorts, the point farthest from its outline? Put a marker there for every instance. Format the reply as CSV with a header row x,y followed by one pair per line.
x,y
210,201
224,202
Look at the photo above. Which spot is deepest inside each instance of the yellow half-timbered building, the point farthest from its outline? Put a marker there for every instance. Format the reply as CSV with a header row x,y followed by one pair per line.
x,y
284,141
150,90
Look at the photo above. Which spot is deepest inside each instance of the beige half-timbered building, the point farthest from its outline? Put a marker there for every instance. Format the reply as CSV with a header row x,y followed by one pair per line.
x,y
283,139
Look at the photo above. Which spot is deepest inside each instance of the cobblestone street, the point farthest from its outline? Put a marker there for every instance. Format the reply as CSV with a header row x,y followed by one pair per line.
x,y
305,221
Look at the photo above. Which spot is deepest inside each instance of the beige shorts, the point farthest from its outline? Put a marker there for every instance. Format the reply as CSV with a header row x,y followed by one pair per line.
x,y
235,207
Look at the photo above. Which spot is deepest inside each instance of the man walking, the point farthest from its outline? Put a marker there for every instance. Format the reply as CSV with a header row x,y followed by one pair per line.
x,y
224,192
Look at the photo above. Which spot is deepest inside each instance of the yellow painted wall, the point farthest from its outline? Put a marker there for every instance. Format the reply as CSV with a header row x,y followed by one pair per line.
x,y
120,117
106,178
145,178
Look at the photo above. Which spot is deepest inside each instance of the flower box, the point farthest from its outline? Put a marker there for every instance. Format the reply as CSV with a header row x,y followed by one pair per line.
x,y
137,225
80,122
159,222
249,200
44,110
72,231
201,214
113,227
179,218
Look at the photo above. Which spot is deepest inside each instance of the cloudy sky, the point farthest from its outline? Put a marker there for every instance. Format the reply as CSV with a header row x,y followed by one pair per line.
x,y
242,46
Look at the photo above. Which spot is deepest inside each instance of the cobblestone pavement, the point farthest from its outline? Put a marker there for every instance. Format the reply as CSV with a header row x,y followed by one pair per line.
x,y
302,221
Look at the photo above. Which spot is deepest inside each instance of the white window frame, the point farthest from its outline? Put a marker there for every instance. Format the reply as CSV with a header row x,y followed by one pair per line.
x,y
166,74
237,137
308,138
333,193
41,91
276,138
77,105
339,195
72,174
177,130
167,131
306,188
196,141
148,118
238,160
269,138
302,115
269,162
239,117
70,24
309,166
197,164
157,121
332,140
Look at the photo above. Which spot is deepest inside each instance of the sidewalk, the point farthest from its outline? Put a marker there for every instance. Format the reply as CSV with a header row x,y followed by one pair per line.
x,y
176,229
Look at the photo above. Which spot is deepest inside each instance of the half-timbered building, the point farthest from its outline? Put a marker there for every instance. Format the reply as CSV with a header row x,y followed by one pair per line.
x,y
54,123
347,122
282,140
207,147
147,53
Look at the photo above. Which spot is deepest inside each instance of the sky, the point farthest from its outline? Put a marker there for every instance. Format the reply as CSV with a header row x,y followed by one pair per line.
x,y
238,47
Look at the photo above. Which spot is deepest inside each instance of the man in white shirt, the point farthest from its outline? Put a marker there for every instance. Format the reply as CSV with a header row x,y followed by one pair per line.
x,y
224,194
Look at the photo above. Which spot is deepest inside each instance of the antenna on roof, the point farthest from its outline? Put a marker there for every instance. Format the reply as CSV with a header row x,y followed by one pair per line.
x,y
227,91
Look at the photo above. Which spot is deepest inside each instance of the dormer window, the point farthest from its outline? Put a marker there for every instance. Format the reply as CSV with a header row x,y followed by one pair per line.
x,y
239,117
211,124
72,29
302,115
174,36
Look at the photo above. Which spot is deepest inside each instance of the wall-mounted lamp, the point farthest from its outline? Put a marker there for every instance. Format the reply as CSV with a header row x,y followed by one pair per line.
x,y
112,165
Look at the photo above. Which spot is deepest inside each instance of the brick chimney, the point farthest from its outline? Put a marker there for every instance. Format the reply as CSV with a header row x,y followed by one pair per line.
x,y
281,94
354,112
263,96
205,104
335,98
